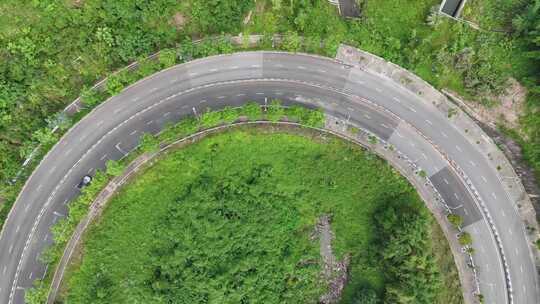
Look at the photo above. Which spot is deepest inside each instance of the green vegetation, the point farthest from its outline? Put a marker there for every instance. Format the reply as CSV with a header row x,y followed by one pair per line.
x,y
455,220
465,238
56,50
231,219
149,144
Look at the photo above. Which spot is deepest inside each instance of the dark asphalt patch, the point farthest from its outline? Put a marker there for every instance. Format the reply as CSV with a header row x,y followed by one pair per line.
x,y
456,196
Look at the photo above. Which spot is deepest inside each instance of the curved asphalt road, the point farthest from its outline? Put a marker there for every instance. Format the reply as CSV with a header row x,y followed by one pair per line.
x,y
114,128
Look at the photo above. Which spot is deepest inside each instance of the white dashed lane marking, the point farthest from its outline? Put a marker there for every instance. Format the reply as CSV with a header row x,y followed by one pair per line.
x,y
459,149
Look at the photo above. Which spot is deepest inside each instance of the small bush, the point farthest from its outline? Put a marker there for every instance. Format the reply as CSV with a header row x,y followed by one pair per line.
x,y
149,143
275,111
210,119
114,85
114,168
229,115
252,110
314,118
465,239
455,220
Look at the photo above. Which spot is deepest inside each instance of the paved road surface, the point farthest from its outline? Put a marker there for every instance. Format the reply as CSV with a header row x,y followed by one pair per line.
x,y
114,128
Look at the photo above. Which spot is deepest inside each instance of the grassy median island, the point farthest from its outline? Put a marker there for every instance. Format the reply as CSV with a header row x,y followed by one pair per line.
x,y
238,218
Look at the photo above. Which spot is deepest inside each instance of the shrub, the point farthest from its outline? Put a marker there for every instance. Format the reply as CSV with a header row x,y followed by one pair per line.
x,y
455,220
252,110
465,239
229,115
275,110
210,119
314,118
149,143
114,85
114,168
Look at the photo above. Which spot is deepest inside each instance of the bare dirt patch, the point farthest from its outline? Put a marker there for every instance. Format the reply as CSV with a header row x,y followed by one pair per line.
x,y
334,272
179,20
507,108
